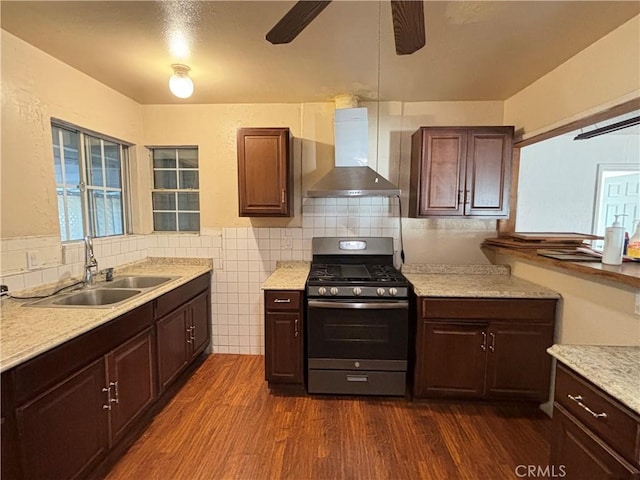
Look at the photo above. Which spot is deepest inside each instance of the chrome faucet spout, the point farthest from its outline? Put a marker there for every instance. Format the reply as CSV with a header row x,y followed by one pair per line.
x,y
90,261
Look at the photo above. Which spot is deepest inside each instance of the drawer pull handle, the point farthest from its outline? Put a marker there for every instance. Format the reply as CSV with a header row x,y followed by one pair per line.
x,y
492,347
282,300
483,346
296,330
578,400
357,378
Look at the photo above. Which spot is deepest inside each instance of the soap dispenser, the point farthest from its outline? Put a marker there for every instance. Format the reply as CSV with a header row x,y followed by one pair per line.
x,y
613,242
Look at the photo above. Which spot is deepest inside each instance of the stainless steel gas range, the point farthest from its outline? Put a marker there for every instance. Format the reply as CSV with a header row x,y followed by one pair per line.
x,y
357,318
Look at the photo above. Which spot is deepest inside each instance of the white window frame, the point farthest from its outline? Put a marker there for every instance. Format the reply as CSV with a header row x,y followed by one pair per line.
x,y
88,227
175,191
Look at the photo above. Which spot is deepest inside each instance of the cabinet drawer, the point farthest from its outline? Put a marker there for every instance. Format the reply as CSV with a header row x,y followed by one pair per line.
x,y
488,309
282,299
620,427
578,454
181,295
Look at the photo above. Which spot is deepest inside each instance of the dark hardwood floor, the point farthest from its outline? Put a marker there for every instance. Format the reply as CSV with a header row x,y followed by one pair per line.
x,y
224,424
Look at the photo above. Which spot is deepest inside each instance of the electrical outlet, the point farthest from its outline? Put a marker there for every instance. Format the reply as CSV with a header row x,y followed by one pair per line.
x,y
33,259
286,243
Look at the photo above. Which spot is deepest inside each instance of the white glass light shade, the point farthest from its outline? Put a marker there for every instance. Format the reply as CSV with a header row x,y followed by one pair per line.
x,y
180,84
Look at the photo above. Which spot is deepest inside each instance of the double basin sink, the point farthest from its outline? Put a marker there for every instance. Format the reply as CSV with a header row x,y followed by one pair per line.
x,y
105,294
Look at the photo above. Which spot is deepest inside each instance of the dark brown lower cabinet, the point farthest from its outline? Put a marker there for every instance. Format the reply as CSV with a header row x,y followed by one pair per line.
x,y
483,348
284,338
172,346
64,432
69,428
456,346
594,437
517,365
182,335
69,412
131,378
580,455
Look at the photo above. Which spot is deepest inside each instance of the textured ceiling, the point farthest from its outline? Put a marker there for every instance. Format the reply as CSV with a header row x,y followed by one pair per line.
x,y
479,50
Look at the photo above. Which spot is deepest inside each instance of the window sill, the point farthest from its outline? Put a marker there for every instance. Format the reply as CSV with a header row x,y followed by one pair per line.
x,y
627,274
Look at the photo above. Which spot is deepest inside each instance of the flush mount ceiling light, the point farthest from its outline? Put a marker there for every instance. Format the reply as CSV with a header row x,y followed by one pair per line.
x,y
180,84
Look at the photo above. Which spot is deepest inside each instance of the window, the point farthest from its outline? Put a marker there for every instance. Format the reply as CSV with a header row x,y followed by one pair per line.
x,y
89,171
568,185
175,196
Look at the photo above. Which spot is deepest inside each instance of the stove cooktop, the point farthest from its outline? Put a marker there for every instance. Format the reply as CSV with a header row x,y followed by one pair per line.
x,y
327,280
328,274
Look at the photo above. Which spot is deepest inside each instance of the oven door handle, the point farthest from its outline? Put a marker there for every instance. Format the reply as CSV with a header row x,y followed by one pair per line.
x,y
360,305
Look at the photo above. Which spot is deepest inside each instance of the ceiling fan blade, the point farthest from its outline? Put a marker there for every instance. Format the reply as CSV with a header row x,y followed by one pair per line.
x,y
408,26
295,20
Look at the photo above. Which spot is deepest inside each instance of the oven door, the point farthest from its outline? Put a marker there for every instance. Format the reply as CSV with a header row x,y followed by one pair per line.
x,y
371,331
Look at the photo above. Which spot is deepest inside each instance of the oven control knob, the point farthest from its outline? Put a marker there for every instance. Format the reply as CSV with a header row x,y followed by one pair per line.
x,y
380,292
393,291
334,291
322,291
357,291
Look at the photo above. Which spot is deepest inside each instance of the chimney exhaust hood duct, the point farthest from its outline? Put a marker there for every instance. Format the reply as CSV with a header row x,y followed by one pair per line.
x,y
351,176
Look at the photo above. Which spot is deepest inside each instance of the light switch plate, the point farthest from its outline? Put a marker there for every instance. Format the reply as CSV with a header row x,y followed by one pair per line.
x,y
33,259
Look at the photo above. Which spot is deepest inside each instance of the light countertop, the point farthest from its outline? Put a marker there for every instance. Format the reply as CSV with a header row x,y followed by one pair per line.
x,y
616,370
26,332
289,275
471,281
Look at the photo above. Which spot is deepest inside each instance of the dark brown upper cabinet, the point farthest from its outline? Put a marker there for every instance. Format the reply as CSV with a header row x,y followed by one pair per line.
x,y
264,177
460,171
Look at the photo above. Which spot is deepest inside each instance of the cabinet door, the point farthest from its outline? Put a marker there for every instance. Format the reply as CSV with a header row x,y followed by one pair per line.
x,y
131,379
437,172
200,308
578,454
263,172
518,365
488,171
64,431
451,360
283,348
173,351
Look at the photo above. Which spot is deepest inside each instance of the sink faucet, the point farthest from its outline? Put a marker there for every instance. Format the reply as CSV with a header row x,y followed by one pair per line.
x,y
90,261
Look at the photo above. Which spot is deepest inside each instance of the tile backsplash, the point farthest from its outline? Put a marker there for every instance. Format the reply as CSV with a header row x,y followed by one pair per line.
x,y
243,258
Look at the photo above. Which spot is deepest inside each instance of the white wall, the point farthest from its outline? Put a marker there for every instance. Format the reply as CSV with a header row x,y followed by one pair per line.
x,y
557,180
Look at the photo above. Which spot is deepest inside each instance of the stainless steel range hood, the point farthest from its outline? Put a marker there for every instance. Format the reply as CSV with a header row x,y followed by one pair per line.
x,y
351,175
353,182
